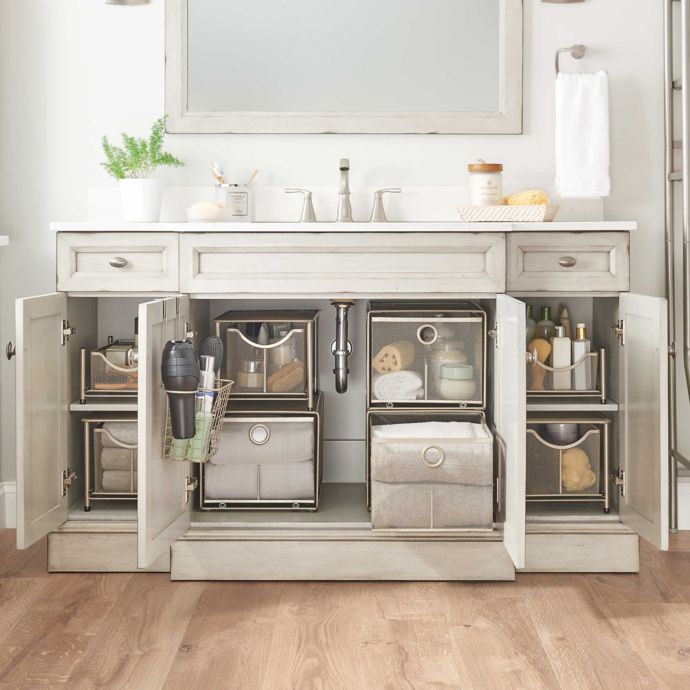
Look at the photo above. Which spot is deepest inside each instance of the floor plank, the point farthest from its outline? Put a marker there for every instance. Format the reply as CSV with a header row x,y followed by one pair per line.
x,y
138,641
543,631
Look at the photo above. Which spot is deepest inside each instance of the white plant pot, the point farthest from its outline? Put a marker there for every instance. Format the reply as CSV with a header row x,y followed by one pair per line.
x,y
141,200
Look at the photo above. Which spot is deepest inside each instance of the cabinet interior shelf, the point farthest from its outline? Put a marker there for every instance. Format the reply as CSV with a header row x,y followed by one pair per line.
x,y
105,405
555,404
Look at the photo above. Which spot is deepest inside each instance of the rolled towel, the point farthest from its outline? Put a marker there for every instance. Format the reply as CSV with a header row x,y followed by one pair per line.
x,y
124,432
400,385
119,482
394,357
430,430
118,459
231,482
288,481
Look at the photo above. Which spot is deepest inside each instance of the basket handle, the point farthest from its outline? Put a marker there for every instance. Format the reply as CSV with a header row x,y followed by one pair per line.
x,y
532,360
577,443
278,343
130,370
105,432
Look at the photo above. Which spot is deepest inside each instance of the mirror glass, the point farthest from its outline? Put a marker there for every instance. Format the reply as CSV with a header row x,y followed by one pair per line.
x,y
346,56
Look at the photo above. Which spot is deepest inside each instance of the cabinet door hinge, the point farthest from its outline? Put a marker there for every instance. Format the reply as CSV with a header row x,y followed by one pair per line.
x,y
188,331
619,480
66,332
192,483
68,478
493,334
619,331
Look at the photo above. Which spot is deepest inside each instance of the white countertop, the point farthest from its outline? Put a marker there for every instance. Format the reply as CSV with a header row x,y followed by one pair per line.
x,y
4,240
412,226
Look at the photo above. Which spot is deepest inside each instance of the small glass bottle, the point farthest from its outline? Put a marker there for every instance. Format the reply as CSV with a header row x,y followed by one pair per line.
x,y
545,328
530,325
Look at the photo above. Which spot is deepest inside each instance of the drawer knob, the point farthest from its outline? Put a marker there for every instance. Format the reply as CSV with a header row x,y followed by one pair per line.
x,y
118,262
259,434
567,261
433,456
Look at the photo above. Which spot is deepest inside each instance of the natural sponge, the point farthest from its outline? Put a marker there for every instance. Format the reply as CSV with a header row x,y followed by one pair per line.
x,y
576,470
530,197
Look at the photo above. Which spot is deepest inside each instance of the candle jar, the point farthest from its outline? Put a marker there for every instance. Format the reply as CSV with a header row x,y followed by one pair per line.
x,y
250,376
486,183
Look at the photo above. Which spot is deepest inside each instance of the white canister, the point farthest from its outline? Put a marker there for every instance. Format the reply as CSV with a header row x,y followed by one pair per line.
x,y
486,183
237,198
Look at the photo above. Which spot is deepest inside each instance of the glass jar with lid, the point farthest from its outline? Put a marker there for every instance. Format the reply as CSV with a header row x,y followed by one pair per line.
x,y
486,183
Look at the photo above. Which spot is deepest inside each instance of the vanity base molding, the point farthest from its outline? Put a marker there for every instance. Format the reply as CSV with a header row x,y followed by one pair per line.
x,y
581,548
344,555
82,546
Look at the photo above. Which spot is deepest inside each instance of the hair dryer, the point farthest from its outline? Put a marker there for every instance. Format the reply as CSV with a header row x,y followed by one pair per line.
x,y
180,373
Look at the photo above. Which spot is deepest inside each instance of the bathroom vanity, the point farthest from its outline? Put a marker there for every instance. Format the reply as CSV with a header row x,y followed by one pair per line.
x,y
178,277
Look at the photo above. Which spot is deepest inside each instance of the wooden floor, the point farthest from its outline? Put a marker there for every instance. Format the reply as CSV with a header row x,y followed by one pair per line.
x,y
544,631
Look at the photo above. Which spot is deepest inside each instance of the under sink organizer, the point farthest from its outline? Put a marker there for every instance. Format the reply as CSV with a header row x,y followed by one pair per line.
x,y
426,474
568,458
426,355
110,458
206,442
110,370
270,355
585,377
270,458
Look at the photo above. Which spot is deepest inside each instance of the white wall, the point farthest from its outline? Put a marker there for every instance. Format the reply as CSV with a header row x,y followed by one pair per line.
x,y
71,70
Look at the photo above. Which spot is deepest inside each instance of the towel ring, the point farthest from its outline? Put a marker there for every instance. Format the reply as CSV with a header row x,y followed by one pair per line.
x,y
577,52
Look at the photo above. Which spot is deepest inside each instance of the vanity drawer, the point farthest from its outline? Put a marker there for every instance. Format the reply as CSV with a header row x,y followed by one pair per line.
x,y
569,262
117,262
350,263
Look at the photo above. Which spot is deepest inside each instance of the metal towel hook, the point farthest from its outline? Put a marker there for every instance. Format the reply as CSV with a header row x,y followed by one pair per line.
x,y
577,52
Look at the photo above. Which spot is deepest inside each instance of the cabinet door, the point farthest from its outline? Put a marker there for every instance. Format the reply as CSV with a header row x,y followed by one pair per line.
x,y
42,416
644,417
510,412
163,509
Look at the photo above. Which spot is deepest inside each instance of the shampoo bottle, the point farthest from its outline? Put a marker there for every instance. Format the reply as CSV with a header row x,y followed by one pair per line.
x,y
560,358
545,328
582,374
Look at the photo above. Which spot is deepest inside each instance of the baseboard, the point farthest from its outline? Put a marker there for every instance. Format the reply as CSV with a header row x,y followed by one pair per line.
x,y
8,505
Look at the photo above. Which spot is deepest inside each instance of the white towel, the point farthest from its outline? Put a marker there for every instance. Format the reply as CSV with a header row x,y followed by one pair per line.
x,y
400,385
119,482
118,459
124,432
582,135
430,430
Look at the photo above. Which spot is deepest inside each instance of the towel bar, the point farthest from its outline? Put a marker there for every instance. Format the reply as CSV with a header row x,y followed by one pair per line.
x,y
576,51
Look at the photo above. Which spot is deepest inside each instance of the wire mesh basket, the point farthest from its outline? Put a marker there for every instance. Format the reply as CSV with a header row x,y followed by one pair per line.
x,y
420,356
585,377
112,370
572,469
205,443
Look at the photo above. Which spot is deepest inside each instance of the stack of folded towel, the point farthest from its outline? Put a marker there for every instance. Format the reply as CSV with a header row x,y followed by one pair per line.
x,y
118,464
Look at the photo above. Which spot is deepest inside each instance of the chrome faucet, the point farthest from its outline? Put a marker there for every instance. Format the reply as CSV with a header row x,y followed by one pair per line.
x,y
344,206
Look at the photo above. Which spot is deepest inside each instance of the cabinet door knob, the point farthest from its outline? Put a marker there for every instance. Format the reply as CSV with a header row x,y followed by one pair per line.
x,y
118,262
567,261
10,350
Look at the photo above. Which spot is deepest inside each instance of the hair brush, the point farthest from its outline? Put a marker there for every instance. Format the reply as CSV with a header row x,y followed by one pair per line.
x,y
213,347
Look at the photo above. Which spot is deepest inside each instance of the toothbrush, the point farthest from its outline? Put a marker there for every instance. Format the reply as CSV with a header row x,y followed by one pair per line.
x,y
252,177
218,173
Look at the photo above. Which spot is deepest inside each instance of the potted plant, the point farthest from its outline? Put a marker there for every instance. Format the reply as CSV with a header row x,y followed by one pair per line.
x,y
132,166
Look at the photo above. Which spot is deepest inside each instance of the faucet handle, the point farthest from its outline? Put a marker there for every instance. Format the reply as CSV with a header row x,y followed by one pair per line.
x,y
308,215
378,213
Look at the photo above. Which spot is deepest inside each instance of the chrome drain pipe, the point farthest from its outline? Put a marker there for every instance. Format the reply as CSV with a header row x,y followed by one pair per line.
x,y
341,346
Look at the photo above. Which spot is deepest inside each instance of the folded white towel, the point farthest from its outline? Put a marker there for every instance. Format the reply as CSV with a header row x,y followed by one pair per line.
x,y
119,482
118,459
430,430
400,385
124,432
582,135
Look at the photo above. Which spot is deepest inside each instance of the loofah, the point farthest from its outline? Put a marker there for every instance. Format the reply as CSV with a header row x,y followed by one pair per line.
x,y
394,357
530,197
576,470
543,349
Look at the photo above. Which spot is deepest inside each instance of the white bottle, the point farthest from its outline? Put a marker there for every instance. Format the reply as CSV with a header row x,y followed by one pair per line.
x,y
582,374
560,358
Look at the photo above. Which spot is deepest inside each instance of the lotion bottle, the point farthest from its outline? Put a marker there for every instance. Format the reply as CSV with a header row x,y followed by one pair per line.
x,y
530,325
545,328
582,374
560,358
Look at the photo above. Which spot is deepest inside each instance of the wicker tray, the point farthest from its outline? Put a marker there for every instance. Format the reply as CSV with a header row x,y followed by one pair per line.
x,y
507,214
